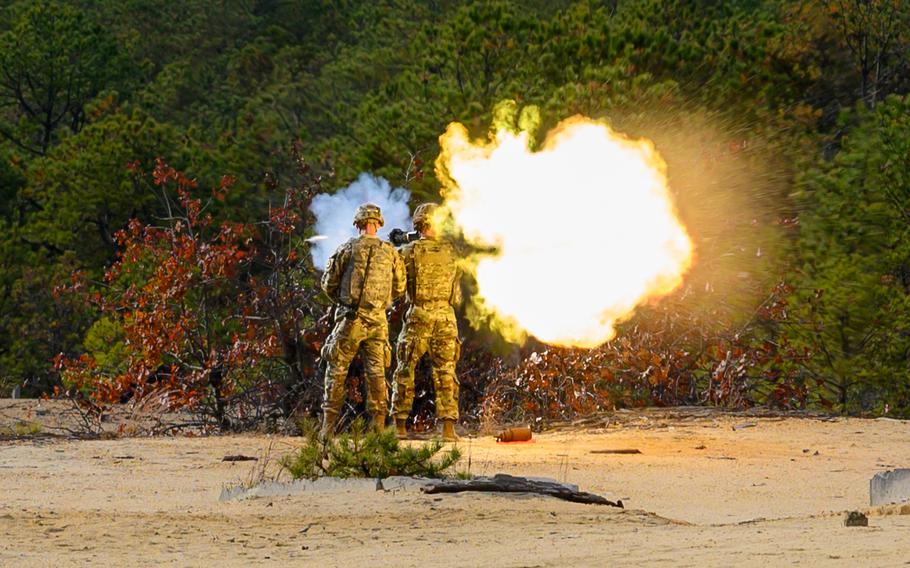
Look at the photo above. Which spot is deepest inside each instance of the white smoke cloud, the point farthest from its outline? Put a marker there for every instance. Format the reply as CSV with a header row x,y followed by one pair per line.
x,y
335,213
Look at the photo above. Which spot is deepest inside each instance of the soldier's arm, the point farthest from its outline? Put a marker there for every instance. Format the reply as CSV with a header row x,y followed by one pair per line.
x,y
455,299
334,270
399,277
407,254
456,290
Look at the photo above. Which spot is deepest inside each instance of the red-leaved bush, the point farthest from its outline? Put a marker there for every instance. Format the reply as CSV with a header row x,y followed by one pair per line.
x,y
218,318
662,357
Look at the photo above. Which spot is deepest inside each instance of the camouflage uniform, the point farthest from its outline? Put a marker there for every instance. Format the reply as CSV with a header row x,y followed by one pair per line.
x,y
362,277
432,291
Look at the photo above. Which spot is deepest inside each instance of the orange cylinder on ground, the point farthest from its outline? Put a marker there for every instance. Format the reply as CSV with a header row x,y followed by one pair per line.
x,y
521,434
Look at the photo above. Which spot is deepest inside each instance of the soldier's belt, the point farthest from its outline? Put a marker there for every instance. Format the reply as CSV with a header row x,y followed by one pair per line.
x,y
431,304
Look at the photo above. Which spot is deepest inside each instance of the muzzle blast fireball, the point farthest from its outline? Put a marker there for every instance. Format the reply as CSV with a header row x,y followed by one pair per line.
x,y
584,225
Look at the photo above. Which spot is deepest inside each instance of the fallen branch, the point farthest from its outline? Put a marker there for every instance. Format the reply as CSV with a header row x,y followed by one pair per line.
x,y
238,458
618,451
502,483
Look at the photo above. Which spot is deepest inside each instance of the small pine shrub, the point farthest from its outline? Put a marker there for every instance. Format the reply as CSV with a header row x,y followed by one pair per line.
x,y
358,453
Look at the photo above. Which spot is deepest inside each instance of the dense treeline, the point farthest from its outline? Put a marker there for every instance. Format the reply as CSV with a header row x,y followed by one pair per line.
x,y
784,124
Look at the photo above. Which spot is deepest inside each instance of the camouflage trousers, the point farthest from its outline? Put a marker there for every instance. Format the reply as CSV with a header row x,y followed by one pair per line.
x,y
433,331
349,336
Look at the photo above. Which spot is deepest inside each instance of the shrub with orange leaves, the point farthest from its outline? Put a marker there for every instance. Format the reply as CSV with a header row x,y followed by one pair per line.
x,y
214,317
663,357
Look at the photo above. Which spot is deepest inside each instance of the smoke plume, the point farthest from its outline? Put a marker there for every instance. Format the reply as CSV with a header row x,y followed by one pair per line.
x,y
335,213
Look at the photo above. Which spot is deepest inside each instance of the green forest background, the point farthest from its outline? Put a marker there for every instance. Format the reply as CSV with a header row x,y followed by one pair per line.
x,y
785,125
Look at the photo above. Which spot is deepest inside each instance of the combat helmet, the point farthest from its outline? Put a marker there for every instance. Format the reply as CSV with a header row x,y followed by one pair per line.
x,y
368,212
424,214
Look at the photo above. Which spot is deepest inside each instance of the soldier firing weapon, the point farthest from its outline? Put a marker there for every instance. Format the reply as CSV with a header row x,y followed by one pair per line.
x,y
433,291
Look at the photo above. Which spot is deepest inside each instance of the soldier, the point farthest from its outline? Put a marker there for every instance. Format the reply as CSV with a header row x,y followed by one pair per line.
x,y
433,291
362,277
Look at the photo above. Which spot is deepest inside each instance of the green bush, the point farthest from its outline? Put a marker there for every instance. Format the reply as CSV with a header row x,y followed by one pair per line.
x,y
358,453
22,429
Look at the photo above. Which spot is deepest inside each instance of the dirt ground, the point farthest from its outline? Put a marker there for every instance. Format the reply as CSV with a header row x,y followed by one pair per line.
x,y
708,489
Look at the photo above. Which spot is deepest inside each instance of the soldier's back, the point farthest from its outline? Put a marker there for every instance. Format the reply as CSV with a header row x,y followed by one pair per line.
x,y
367,281
432,271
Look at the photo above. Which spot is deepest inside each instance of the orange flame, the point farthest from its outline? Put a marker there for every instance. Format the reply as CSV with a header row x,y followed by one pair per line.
x,y
585,226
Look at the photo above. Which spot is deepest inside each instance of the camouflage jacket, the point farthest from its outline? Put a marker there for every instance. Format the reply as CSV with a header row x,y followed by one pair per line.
x,y
363,276
433,275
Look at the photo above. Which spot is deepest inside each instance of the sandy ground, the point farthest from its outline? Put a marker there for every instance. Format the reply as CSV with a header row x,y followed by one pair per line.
x,y
771,492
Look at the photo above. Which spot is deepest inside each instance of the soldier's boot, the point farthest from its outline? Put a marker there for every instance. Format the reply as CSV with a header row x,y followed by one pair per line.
x,y
377,424
401,428
448,430
329,423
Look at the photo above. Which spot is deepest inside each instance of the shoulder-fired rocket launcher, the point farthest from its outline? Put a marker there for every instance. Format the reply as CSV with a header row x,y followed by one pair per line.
x,y
400,237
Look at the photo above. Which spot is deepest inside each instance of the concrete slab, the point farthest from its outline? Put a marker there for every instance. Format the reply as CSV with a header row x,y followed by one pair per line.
x,y
403,483
890,487
330,484
278,489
